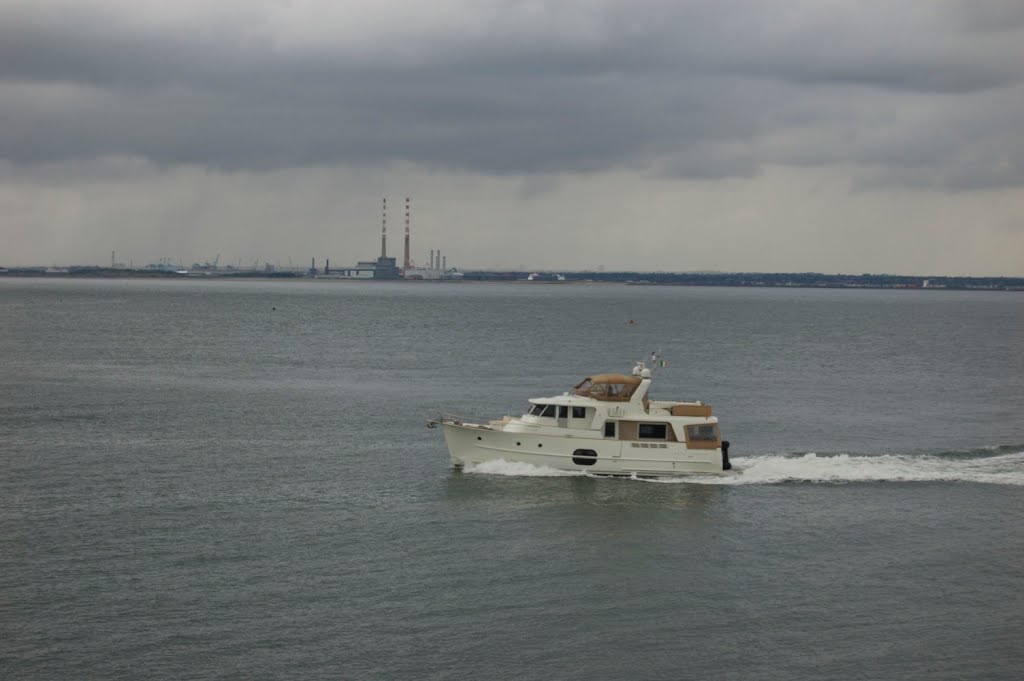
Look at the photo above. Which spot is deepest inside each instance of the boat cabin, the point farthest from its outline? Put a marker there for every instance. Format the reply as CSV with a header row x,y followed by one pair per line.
x,y
636,423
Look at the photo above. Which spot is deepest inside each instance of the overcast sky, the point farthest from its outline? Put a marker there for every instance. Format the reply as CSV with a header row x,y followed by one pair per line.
x,y
847,136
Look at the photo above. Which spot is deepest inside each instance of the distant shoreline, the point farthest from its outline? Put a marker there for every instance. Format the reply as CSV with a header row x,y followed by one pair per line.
x,y
716,279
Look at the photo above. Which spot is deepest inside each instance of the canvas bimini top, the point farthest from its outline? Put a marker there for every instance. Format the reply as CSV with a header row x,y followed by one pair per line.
x,y
608,387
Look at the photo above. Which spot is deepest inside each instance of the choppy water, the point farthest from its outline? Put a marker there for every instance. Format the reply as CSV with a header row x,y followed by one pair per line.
x,y
233,480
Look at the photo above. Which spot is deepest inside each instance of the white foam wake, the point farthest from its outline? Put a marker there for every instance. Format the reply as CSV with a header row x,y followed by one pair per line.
x,y
518,469
1005,469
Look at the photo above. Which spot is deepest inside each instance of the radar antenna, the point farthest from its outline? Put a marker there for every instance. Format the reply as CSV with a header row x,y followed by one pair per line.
x,y
651,365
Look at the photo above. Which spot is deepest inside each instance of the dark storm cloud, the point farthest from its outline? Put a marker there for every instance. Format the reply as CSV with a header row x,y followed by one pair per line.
x,y
696,89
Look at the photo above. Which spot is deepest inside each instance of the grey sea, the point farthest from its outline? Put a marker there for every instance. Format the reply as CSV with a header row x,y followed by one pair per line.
x,y
233,480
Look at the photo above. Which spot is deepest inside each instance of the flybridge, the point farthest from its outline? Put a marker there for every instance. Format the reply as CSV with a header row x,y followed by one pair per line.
x,y
608,387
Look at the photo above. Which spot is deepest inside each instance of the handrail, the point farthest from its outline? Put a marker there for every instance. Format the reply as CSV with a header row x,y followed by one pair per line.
x,y
458,420
459,417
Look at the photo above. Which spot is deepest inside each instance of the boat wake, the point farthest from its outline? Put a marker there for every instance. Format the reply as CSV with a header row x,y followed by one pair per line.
x,y
997,469
997,466
517,469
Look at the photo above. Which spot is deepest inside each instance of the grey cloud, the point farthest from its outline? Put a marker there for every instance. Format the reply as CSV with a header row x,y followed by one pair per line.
x,y
537,185
986,16
699,90
711,162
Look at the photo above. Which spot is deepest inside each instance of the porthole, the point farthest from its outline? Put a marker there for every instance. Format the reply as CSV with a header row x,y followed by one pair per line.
x,y
584,457
479,438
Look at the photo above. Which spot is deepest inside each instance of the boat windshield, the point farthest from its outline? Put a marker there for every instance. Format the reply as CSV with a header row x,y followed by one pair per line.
x,y
542,410
608,387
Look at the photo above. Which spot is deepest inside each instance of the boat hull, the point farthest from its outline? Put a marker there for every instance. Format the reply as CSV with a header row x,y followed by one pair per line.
x,y
471,444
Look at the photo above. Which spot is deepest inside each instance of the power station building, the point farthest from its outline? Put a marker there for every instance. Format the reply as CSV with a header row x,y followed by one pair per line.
x,y
381,268
387,268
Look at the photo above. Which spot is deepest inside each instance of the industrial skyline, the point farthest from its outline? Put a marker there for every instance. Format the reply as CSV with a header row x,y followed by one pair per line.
x,y
435,267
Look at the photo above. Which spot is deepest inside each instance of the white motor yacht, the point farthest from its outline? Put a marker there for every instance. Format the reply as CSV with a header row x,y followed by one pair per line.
x,y
605,425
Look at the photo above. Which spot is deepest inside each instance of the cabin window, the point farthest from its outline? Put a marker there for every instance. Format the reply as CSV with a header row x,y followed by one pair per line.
x,y
584,457
609,428
549,411
702,433
536,409
703,436
579,412
563,412
651,431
